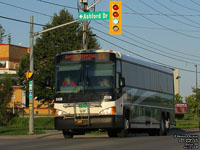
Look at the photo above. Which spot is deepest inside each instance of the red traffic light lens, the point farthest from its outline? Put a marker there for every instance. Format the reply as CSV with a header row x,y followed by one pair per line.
x,y
115,14
115,7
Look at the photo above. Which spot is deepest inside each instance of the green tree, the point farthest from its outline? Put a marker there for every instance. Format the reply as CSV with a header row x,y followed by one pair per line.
x,y
178,98
47,46
2,34
196,92
190,100
6,93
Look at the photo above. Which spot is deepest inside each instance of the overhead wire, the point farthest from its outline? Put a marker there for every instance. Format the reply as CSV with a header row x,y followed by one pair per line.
x,y
154,28
177,59
31,11
161,14
25,9
138,36
176,12
179,21
195,2
22,21
184,6
158,63
164,47
55,4
150,20
172,50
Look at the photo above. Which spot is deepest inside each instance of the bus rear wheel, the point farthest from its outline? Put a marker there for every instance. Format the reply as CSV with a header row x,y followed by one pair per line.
x,y
163,129
67,134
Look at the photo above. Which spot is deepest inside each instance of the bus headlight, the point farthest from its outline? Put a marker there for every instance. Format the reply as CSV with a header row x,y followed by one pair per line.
x,y
59,113
108,111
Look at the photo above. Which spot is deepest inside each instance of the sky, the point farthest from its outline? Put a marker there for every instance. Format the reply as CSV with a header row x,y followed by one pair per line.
x,y
166,32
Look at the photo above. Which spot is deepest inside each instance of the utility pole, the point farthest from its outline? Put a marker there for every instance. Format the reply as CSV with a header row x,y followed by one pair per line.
x,y
196,91
85,26
31,82
196,77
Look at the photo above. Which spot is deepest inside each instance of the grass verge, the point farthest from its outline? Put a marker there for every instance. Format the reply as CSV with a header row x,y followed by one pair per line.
x,y
20,126
188,122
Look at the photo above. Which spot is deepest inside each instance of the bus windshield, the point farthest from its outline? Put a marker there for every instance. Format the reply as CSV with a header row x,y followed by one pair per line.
x,y
84,77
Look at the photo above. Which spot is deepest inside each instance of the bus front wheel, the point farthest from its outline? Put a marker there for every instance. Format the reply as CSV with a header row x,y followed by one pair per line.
x,y
123,132
67,134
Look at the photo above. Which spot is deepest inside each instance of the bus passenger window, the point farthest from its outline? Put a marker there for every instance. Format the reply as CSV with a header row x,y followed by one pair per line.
x,y
67,82
118,68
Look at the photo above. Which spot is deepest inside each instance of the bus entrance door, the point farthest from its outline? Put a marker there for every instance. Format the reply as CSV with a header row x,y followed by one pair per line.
x,y
82,114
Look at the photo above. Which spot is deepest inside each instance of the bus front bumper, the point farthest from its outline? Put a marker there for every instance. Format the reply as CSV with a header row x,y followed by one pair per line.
x,y
93,123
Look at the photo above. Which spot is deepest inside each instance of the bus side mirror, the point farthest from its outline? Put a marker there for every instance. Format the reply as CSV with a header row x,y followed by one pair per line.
x,y
122,82
47,81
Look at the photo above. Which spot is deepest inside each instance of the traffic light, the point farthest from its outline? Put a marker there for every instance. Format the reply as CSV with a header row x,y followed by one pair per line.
x,y
115,17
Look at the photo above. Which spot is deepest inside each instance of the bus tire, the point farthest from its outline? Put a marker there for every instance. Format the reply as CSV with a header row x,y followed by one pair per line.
x,y
152,132
67,134
163,130
112,133
124,132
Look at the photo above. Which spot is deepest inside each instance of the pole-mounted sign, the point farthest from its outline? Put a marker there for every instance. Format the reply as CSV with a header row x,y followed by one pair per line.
x,y
93,16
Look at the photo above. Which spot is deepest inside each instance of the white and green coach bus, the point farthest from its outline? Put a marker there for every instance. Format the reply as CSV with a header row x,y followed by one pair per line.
x,y
107,90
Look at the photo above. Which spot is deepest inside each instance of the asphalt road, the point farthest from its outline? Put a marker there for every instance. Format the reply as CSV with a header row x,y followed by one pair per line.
x,y
53,140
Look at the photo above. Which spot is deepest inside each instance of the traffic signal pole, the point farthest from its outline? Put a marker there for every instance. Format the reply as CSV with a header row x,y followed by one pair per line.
x,y
31,82
85,28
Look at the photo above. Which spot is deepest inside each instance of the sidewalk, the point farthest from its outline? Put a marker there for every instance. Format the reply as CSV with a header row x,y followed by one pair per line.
x,y
49,133
58,134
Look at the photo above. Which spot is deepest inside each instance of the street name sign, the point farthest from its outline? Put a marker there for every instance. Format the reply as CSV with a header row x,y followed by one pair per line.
x,y
30,89
93,16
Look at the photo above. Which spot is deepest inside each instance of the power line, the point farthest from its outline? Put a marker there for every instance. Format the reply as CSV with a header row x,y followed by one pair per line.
x,y
176,12
161,14
184,6
177,59
25,9
172,50
22,21
162,25
55,4
195,2
157,49
168,16
158,63
154,28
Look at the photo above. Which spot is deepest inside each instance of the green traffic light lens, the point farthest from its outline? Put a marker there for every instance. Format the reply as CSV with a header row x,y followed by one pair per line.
x,y
115,21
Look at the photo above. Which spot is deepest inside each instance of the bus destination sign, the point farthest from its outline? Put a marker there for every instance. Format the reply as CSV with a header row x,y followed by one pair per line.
x,y
88,57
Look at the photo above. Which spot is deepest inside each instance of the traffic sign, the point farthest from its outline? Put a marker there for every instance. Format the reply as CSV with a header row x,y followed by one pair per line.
x,y
29,75
93,16
31,83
